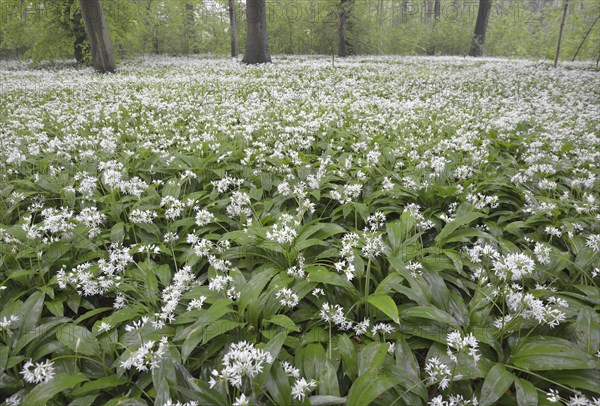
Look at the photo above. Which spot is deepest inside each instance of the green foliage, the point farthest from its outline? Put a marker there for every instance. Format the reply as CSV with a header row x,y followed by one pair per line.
x,y
388,232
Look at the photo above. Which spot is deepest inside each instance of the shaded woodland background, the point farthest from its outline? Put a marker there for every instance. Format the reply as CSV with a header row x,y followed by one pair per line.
x,y
51,29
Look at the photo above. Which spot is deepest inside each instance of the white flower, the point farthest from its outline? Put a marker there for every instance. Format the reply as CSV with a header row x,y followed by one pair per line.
x,y
42,372
553,396
204,217
290,370
287,297
242,359
438,372
301,387
242,400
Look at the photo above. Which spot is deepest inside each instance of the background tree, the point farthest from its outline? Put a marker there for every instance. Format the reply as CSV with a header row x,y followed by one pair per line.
x,y
344,44
257,40
233,28
483,16
98,35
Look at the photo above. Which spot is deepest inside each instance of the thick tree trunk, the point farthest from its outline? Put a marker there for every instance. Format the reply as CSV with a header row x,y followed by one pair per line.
x,y
483,16
97,32
233,29
560,31
257,40
344,46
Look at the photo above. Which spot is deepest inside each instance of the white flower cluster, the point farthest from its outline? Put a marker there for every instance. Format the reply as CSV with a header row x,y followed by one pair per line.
x,y
242,359
516,265
183,280
458,343
40,372
438,372
146,357
335,314
284,232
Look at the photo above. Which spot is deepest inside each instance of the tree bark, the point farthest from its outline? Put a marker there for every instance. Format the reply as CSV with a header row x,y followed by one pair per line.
x,y
257,40
190,32
560,31
344,45
97,32
483,16
233,28
437,10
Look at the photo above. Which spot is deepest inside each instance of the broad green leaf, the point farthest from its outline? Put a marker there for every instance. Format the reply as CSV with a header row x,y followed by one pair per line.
x,y
348,352
273,347
31,311
314,358
453,225
43,392
496,383
587,330
284,321
368,387
430,313
328,381
326,400
321,275
550,353
526,393
371,357
386,304
99,384
79,339
580,379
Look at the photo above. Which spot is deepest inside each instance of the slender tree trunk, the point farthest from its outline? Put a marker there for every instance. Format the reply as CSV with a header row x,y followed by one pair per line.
x,y
97,31
437,10
560,31
189,28
233,29
380,13
344,46
584,38
483,16
257,40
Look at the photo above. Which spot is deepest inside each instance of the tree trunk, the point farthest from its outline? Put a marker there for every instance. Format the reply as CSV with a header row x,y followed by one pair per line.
x,y
344,46
483,16
233,28
437,10
189,28
428,11
97,32
560,31
257,40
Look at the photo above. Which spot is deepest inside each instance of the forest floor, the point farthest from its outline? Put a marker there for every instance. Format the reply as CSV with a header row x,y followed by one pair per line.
x,y
385,230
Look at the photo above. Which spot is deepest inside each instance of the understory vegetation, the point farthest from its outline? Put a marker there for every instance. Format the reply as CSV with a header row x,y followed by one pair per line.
x,y
388,231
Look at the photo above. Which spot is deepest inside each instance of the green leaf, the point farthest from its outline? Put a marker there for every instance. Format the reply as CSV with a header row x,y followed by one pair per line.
x,y
98,384
497,382
117,233
369,387
587,330
371,357
386,304
526,393
551,353
349,356
452,226
273,347
430,313
314,358
580,379
319,274
328,381
31,311
284,321
79,339
325,400
43,392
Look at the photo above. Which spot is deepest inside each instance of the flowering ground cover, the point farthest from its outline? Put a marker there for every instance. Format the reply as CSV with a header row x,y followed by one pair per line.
x,y
388,231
